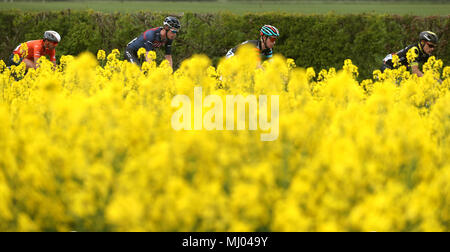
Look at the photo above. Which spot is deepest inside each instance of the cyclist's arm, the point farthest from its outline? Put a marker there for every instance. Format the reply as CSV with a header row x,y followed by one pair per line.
x,y
52,57
415,70
168,55
149,37
29,63
169,58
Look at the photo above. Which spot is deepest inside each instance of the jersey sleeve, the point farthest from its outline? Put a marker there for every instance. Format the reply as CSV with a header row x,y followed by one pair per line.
x,y
52,55
169,47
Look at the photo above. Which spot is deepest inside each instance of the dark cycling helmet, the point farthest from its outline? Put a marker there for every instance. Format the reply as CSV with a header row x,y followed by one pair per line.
x,y
269,30
52,36
429,36
172,22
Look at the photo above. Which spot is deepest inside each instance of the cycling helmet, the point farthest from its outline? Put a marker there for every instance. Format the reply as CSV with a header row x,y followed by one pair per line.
x,y
269,30
172,22
429,36
52,36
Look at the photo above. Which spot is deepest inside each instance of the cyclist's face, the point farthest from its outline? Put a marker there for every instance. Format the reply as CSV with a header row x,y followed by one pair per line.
x,y
50,45
171,34
429,47
270,41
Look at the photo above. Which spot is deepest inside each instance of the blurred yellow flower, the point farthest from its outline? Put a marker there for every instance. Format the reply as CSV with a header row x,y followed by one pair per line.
x,y
141,52
446,72
395,60
310,73
93,143
2,66
101,55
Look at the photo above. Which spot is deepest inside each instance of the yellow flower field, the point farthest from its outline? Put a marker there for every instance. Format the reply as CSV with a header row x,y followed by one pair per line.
x,y
89,146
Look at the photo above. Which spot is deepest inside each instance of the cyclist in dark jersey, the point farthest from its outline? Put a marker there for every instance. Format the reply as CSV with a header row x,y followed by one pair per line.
x,y
426,45
268,36
154,38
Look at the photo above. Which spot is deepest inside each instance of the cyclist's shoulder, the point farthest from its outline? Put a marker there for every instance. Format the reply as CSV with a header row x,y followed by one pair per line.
x,y
251,42
418,50
406,49
151,33
414,47
153,30
35,43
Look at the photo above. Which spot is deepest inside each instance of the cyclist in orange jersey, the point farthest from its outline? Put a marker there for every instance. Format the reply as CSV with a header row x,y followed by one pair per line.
x,y
36,49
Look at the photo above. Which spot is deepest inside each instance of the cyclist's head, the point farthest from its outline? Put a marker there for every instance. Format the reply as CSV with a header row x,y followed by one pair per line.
x,y
428,41
172,24
429,37
52,36
269,31
269,35
51,39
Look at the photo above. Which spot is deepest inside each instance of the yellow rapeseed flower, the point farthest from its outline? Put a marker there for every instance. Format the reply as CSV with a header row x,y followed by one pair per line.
x,y
395,60
24,50
446,72
350,68
141,52
16,58
411,55
310,73
290,63
2,66
151,55
101,55
97,138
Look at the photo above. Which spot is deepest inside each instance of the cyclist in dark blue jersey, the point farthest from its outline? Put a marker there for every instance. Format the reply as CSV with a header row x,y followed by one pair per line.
x,y
154,38
268,37
427,43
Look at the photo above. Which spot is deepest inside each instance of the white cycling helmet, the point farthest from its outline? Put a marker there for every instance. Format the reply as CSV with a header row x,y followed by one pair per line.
x,y
52,36
172,23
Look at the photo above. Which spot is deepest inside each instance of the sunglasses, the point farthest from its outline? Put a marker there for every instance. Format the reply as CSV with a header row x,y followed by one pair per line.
x,y
273,39
174,30
431,45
